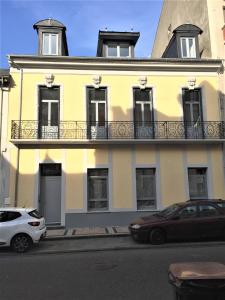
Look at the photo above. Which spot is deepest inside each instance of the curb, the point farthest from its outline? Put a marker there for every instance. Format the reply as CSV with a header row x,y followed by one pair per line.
x,y
126,248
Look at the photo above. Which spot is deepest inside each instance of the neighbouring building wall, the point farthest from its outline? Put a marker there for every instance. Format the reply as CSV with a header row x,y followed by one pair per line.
x,y
175,13
216,23
4,149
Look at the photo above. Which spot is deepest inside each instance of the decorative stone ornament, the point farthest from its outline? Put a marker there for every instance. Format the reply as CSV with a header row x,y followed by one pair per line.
x,y
191,83
142,82
49,79
96,79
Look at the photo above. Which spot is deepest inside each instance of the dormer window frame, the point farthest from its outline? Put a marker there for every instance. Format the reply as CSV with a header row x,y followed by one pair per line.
x,y
118,49
187,45
50,33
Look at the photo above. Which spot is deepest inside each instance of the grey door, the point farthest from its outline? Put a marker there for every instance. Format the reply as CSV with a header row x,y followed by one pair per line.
x,y
50,192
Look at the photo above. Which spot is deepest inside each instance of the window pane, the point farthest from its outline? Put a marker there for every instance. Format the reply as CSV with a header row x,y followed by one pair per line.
x,y
146,188
92,113
54,114
124,50
53,44
197,183
97,189
112,50
207,211
97,94
45,43
196,113
142,95
138,114
147,114
101,114
187,113
188,212
49,93
183,47
192,52
44,114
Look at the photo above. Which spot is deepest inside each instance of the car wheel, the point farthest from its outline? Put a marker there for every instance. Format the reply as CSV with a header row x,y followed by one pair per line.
x,y
21,243
157,236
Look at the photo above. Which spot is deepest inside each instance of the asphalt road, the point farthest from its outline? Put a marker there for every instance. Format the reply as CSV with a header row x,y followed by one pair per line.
x,y
108,275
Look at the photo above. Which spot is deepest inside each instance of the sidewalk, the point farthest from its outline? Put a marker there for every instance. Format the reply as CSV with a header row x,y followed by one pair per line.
x,y
53,234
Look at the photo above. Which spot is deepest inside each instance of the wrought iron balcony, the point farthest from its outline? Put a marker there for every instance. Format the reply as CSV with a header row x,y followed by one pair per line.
x,y
118,130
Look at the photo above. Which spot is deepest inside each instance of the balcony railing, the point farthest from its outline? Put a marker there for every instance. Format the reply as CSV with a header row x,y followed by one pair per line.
x,y
116,130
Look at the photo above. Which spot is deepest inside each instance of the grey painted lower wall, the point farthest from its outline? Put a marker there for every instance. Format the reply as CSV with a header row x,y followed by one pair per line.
x,y
102,219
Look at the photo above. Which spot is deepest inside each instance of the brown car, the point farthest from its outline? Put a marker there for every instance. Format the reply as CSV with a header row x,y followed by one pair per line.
x,y
188,220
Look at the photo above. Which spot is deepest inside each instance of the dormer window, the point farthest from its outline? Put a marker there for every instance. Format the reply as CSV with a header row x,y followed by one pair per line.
x,y
51,37
184,43
50,43
188,48
117,44
118,50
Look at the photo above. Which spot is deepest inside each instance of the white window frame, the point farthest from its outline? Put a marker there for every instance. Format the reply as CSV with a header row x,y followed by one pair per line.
x,y
206,182
50,34
118,45
97,199
189,54
155,198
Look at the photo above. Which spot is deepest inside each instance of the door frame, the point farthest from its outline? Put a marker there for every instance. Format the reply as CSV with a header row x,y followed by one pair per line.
x,y
63,182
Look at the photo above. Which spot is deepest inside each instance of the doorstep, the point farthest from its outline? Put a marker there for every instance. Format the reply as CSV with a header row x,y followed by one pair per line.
x,y
81,232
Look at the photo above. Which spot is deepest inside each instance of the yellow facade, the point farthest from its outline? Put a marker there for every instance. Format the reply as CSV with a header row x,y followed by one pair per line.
x,y
169,158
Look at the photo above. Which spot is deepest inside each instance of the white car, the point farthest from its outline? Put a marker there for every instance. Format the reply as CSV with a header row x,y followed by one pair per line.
x,y
20,228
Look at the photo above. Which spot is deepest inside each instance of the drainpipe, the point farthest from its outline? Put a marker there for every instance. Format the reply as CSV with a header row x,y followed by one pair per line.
x,y
1,116
1,110
18,152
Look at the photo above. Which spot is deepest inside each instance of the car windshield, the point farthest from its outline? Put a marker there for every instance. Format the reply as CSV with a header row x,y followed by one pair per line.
x,y
169,210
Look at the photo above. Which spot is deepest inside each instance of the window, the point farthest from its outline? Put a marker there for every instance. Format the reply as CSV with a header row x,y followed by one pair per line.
x,y
50,44
192,107
6,216
97,112
188,49
197,178
98,189
146,188
188,212
207,211
143,113
49,112
118,50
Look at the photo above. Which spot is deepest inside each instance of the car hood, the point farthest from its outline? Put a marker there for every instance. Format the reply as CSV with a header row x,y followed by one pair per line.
x,y
148,220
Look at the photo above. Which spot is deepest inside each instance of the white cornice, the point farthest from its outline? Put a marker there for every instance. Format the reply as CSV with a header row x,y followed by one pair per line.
x,y
96,63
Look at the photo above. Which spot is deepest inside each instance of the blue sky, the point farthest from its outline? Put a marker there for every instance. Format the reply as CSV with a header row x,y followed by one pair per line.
x,y
83,20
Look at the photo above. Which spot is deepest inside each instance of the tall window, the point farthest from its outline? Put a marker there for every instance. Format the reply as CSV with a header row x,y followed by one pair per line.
x,y
188,48
50,43
118,50
143,113
192,106
48,112
97,112
197,178
146,188
98,189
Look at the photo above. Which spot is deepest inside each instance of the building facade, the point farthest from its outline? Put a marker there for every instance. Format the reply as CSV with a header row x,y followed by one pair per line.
x,y
100,140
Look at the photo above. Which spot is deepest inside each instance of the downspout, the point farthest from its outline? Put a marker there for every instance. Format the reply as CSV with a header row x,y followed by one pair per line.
x,y
1,110
1,117
18,153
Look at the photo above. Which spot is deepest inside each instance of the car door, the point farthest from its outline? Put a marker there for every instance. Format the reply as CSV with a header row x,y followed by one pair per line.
x,y
3,227
211,221
183,225
8,225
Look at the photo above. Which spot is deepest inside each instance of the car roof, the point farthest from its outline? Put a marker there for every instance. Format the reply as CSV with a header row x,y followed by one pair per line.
x,y
20,209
